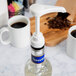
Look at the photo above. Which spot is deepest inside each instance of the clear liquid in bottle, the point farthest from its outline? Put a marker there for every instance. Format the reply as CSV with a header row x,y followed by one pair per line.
x,y
38,65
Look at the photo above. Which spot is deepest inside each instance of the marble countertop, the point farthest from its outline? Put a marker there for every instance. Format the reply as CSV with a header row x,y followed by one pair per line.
x,y
13,60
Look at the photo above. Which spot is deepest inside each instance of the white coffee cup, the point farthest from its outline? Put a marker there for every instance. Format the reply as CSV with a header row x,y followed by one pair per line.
x,y
18,37
71,43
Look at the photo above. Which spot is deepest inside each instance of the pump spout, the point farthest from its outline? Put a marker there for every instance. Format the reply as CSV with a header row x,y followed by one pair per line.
x,y
38,10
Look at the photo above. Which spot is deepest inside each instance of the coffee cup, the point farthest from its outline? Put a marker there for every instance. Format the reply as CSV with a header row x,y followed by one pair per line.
x,y
18,30
71,42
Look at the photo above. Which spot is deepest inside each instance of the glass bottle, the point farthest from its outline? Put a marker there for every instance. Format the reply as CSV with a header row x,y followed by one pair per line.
x,y
38,65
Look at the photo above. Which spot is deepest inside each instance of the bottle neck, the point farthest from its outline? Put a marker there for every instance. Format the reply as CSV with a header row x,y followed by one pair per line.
x,y
38,55
37,51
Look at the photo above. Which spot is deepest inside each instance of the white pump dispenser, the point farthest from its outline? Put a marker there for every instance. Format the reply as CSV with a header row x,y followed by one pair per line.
x,y
39,65
38,10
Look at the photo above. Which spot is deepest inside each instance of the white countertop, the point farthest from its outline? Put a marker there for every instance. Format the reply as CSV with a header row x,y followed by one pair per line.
x,y
13,60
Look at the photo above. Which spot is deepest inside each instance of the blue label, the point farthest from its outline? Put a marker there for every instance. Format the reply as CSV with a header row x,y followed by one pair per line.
x,y
39,59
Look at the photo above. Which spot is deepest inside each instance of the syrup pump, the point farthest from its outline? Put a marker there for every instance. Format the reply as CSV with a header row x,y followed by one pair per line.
x,y
37,40
39,65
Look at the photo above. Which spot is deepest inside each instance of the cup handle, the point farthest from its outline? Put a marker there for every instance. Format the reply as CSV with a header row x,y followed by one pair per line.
x,y
5,42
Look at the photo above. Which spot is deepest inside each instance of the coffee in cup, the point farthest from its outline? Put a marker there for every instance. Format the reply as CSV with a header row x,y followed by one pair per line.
x,y
19,32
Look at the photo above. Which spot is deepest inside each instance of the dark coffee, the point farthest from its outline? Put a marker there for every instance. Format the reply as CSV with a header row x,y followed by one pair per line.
x,y
18,25
73,33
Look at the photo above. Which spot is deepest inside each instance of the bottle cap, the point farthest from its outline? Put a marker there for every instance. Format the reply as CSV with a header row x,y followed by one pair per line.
x,y
37,41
